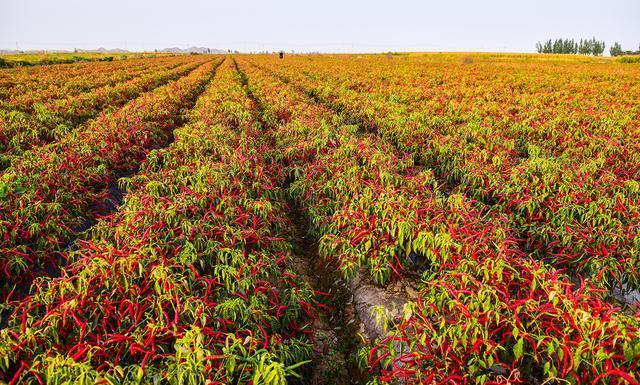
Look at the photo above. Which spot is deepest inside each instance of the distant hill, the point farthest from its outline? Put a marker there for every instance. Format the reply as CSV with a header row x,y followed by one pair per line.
x,y
104,50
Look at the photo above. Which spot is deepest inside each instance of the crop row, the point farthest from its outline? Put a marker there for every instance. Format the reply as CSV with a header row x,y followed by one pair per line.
x,y
52,192
486,312
188,282
21,131
20,82
25,98
562,168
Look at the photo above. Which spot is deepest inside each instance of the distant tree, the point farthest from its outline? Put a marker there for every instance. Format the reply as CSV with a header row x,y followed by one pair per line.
x,y
569,47
557,46
616,49
583,47
598,47
546,47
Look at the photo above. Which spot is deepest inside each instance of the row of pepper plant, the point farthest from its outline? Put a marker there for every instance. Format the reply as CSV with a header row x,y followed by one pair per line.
x,y
188,282
53,191
555,147
486,313
46,85
20,81
47,122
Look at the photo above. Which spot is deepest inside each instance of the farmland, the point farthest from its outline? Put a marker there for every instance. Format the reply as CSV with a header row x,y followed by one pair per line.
x,y
47,58
382,219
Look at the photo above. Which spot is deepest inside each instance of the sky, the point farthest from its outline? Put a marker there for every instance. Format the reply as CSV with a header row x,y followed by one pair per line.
x,y
305,26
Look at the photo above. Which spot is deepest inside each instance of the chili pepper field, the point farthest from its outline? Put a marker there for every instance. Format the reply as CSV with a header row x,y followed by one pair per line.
x,y
321,219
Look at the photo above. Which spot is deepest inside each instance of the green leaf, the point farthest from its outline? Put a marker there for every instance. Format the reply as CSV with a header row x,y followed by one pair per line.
x,y
19,189
518,348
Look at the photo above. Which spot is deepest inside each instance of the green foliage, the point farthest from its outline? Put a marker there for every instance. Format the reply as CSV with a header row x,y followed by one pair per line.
x,y
570,46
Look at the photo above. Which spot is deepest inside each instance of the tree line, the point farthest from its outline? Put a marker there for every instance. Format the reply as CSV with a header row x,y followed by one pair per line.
x,y
570,46
583,47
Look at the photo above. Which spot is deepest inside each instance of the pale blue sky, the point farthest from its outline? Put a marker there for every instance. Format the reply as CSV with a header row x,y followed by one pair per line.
x,y
328,26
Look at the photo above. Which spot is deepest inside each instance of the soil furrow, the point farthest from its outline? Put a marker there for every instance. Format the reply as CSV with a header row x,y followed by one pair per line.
x,y
336,340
